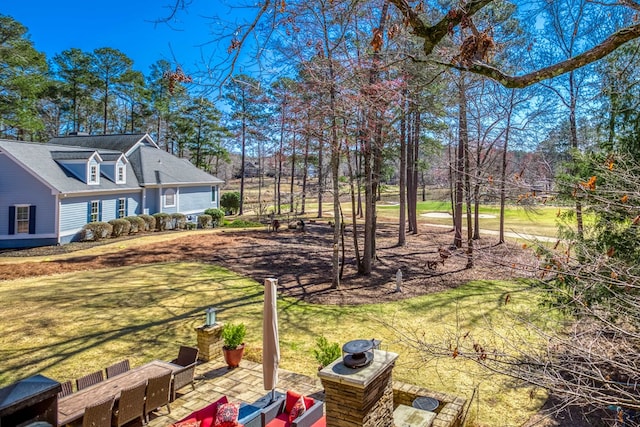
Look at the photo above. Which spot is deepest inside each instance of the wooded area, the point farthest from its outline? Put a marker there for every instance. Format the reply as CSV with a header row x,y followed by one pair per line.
x,y
525,103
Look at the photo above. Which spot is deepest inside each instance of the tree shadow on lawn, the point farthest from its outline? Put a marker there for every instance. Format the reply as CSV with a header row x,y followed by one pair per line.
x,y
157,334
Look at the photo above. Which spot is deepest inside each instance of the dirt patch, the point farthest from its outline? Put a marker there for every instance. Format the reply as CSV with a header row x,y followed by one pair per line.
x,y
302,261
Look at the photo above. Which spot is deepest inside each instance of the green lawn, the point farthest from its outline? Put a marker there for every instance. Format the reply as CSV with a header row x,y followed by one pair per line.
x,y
539,220
65,326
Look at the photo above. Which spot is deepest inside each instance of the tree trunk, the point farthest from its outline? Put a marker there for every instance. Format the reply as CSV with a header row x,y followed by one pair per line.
x,y
305,168
416,156
242,161
452,177
293,171
462,136
402,226
503,172
320,175
354,214
279,171
359,172
467,188
411,166
373,158
106,103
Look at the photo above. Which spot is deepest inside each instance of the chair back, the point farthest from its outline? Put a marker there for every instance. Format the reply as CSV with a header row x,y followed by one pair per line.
x,y
98,415
186,356
158,393
67,389
182,378
131,404
88,380
118,368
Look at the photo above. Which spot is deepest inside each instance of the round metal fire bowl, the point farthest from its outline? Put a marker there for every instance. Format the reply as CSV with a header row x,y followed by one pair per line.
x,y
358,360
357,346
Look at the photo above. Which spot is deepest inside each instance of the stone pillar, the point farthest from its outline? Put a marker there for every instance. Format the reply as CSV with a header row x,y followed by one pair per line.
x,y
361,397
209,341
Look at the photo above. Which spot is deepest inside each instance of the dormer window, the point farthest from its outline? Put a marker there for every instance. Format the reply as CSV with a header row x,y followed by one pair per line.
x,y
120,174
93,174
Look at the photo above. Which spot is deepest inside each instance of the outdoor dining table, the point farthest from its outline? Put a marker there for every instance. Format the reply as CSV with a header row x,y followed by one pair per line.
x,y
71,407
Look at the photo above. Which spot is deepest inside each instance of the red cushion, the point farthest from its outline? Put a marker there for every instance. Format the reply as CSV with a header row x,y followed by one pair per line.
x,y
281,420
206,415
227,415
297,410
292,398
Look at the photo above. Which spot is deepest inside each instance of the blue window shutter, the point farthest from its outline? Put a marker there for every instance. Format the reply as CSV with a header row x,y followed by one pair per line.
x,y
100,210
88,212
32,219
12,220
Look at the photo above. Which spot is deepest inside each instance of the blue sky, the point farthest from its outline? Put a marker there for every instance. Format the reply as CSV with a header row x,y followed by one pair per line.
x,y
126,25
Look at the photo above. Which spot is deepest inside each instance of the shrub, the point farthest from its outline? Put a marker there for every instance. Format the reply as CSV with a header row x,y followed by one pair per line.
x,y
119,227
205,221
241,223
149,222
163,220
217,216
233,335
95,231
326,352
230,201
137,223
179,221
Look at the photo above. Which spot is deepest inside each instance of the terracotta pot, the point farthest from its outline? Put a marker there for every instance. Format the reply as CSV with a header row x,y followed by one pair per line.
x,y
233,357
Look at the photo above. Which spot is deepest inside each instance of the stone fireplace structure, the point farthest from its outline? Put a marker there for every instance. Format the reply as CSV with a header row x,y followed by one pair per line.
x,y
360,397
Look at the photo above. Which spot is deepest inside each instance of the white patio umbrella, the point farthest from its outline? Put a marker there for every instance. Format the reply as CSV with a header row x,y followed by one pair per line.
x,y
270,344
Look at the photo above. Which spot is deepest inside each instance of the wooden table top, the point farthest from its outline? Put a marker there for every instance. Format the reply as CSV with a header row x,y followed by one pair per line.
x,y
71,407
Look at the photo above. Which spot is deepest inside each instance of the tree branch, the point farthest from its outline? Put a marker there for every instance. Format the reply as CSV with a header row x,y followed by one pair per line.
x,y
434,34
596,53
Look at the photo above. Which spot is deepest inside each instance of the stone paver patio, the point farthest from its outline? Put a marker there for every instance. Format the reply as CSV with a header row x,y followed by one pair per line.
x,y
214,380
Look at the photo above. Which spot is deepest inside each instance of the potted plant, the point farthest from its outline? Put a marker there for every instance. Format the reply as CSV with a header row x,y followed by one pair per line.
x,y
233,338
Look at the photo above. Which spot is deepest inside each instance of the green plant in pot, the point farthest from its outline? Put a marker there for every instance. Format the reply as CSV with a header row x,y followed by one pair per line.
x,y
233,348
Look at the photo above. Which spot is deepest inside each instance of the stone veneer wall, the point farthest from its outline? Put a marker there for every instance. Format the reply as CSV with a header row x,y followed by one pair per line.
x,y
360,397
210,341
450,411
367,407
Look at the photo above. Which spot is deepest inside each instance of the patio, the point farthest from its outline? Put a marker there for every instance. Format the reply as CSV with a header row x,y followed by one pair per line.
x,y
213,380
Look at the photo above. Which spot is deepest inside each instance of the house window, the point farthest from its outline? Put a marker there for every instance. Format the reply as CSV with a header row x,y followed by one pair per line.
x,y
214,194
22,219
120,176
169,197
122,208
93,174
94,214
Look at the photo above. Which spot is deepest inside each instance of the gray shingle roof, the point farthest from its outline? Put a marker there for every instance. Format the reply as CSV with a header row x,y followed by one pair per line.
x,y
157,167
39,159
151,165
119,142
72,155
